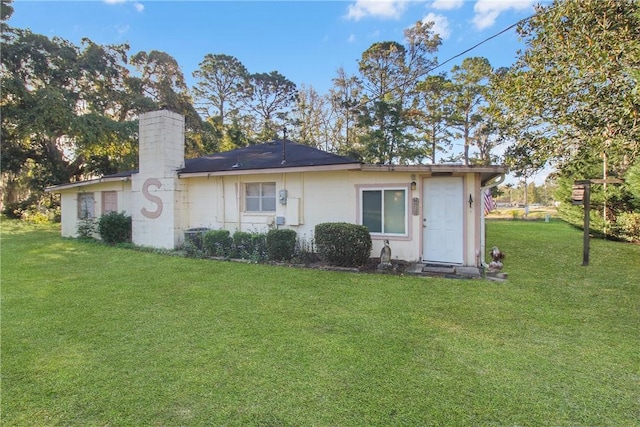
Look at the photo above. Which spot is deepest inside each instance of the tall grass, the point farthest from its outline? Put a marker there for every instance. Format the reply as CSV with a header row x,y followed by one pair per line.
x,y
97,335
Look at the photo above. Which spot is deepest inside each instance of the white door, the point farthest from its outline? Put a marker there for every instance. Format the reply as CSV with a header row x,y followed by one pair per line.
x,y
442,221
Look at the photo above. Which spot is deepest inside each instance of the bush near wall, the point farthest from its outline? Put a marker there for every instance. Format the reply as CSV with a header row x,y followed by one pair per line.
x,y
281,244
86,228
252,246
217,242
343,244
115,227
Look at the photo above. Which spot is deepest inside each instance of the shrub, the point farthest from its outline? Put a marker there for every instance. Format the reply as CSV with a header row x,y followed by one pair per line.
x,y
343,244
281,244
17,210
115,227
258,247
37,210
193,241
249,245
217,243
86,228
242,245
629,225
304,252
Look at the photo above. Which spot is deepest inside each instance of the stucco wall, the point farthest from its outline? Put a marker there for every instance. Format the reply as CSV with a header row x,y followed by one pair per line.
x,y
314,197
69,203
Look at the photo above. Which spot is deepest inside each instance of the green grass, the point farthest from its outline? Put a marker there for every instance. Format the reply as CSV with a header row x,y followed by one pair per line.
x,y
101,336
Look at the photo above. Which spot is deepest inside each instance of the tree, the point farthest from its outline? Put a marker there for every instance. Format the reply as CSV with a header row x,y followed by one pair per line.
x,y
346,95
311,118
435,111
271,97
220,85
571,101
163,82
389,72
571,96
471,80
61,113
69,112
632,182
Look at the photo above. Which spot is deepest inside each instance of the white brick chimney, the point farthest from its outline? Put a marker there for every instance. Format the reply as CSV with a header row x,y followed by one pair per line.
x,y
156,192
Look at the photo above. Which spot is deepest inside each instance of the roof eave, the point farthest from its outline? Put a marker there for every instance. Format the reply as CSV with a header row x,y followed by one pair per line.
x,y
284,169
62,187
487,172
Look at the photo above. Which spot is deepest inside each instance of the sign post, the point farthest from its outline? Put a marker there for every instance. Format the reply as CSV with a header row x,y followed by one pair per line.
x,y
581,195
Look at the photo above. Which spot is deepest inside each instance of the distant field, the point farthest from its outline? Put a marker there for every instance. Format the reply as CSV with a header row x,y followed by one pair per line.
x,y
535,212
104,336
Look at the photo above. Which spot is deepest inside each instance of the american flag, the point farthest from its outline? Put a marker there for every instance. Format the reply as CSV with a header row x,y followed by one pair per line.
x,y
489,205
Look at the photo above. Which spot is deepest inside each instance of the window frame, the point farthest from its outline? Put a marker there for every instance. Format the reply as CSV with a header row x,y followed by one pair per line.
x,y
90,213
261,197
382,189
105,195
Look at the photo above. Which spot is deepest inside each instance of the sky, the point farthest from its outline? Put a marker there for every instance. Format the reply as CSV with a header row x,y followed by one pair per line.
x,y
306,41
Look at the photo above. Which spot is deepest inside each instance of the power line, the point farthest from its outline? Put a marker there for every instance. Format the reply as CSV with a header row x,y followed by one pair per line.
x,y
482,42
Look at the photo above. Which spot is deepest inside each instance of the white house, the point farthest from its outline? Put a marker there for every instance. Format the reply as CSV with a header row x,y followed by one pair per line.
x,y
429,213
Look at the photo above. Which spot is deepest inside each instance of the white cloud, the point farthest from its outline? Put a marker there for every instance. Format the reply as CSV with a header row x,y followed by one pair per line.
x,y
440,24
352,38
376,8
137,5
122,29
487,11
447,4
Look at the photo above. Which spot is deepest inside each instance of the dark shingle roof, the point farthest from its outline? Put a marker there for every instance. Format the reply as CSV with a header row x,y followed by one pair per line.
x,y
265,156
123,174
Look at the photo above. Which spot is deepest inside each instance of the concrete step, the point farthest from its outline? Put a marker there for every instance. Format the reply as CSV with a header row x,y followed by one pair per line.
x,y
439,269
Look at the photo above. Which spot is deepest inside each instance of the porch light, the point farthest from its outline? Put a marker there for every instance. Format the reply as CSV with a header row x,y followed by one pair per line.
x,y
413,185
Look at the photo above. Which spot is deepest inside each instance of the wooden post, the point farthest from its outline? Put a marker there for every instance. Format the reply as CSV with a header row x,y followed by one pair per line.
x,y
581,195
587,217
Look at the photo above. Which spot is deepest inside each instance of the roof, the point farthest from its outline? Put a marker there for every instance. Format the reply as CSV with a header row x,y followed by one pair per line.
x,y
119,176
286,155
278,154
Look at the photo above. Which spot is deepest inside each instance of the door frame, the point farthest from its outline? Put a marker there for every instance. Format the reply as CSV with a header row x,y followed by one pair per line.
x,y
456,212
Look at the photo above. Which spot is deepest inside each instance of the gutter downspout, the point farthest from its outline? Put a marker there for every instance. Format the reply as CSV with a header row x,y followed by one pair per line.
x,y
492,183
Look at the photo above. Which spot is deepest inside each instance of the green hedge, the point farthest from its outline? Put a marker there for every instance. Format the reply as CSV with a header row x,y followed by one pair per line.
x,y
628,226
281,244
251,246
115,227
343,244
217,243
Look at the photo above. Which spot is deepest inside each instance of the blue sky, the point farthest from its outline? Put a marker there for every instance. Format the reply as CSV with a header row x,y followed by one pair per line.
x,y
306,41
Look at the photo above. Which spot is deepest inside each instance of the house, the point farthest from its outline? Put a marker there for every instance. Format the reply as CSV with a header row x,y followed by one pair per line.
x,y
429,213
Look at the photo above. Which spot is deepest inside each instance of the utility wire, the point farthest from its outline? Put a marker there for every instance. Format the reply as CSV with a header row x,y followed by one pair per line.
x,y
481,43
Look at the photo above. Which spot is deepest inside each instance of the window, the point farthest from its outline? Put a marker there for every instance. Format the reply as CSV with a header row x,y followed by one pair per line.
x,y
86,206
260,197
109,202
384,211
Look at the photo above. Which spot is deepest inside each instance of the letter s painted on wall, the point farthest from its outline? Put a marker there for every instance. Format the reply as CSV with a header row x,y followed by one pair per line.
x,y
152,198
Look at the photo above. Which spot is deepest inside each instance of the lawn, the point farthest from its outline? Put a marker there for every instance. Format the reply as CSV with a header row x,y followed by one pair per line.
x,y
102,336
